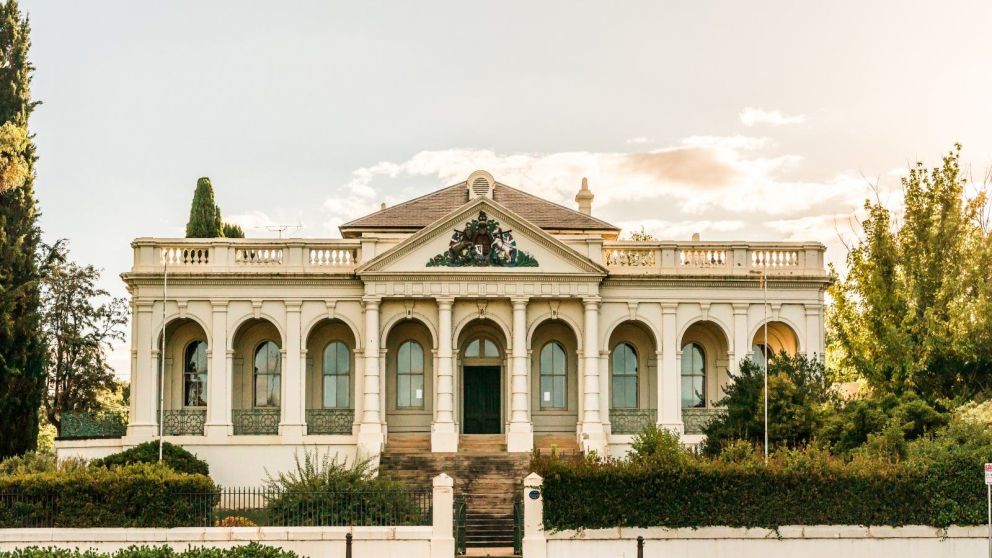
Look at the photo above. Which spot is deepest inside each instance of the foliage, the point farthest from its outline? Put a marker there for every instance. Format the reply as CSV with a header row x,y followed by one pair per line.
x,y
886,422
38,462
641,236
22,347
251,550
797,389
974,412
204,214
230,230
137,495
323,491
913,312
935,484
80,322
173,456
235,521
659,445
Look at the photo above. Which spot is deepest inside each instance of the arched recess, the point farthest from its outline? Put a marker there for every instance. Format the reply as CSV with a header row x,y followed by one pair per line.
x,y
238,324
330,377
538,321
781,337
409,394
186,377
257,367
483,376
712,341
554,408
639,337
398,320
492,320
646,326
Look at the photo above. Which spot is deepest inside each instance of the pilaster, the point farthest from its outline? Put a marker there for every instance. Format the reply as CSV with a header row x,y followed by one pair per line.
x,y
520,436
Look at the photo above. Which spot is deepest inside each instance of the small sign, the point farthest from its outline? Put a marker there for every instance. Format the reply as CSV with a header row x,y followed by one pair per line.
x,y
533,494
547,396
420,394
988,473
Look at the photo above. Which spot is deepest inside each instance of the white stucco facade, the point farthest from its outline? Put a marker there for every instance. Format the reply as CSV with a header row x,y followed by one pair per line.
x,y
374,297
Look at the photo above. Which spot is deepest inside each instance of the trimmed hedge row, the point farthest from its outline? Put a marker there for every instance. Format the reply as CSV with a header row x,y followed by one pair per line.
x,y
176,457
590,494
137,495
252,550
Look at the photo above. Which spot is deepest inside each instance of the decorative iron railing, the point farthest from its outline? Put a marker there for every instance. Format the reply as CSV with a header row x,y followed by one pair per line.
x,y
631,421
330,421
184,422
83,425
226,507
254,422
460,514
697,419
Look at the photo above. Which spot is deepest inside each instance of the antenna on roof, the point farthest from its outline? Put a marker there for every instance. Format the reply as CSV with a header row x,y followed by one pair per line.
x,y
281,228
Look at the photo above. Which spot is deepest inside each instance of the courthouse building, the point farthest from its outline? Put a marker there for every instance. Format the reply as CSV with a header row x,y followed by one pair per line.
x,y
474,310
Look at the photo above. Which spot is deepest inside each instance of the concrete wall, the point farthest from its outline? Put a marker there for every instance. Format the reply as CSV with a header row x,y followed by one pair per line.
x,y
308,542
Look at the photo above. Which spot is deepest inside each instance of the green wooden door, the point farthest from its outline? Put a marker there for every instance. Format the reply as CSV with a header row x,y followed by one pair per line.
x,y
481,400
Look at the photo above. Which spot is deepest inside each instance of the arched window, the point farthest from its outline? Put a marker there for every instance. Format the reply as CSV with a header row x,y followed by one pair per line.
x,y
268,369
481,348
553,376
410,376
693,377
337,368
624,377
758,352
195,374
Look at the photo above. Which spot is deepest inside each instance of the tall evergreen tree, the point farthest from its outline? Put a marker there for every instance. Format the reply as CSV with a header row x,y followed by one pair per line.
x,y
204,215
22,346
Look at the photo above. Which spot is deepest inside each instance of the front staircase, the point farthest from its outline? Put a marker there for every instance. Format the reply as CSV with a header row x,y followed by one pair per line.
x,y
484,473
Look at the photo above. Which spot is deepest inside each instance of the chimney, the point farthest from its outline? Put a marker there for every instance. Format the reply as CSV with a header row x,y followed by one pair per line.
x,y
382,206
584,198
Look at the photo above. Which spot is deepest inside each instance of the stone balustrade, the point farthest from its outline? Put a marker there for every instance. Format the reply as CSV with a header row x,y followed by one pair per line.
x,y
246,255
714,258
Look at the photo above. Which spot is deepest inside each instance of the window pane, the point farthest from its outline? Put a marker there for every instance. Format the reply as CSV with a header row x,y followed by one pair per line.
x,y
491,351
403,390
403,360
344,391
417,390
559,395
687,359
546,388
546,360
274,390
473,349
687,397
698,363
261,390
330,391
559,359
344,359
631,398
617,398
416,357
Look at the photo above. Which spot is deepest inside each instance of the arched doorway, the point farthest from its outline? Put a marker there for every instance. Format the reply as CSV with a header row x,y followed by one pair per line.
x,y
482,359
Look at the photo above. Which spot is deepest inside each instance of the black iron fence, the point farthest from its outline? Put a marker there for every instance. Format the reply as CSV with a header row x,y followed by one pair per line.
x,y
229,507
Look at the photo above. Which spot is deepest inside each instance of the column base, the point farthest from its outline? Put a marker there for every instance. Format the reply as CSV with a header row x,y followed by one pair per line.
x,y
677,427
520,437
139,433
444,437
217,431
593,438
370,441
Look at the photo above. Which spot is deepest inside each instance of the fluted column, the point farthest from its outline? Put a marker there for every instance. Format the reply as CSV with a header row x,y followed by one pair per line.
x,y
370,438
669,388
593,435
218,396
520,436
444,437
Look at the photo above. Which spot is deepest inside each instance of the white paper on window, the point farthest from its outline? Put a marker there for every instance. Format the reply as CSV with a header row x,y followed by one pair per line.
x,y
547,396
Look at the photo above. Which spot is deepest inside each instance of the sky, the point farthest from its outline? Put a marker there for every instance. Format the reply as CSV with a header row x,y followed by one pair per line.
x,y
736,120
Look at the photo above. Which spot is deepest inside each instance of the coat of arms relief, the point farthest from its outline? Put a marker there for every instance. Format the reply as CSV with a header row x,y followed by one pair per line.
x,y
482,242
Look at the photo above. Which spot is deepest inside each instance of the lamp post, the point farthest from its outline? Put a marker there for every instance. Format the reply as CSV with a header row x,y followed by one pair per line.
x,y
763,277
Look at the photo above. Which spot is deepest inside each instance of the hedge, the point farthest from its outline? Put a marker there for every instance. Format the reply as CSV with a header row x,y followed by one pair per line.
x,y
252,550
138,495
602,494
176,457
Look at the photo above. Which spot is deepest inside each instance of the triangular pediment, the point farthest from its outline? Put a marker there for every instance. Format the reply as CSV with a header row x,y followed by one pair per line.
x,y
482,236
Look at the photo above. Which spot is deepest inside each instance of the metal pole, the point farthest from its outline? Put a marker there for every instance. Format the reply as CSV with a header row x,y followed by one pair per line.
x,y
161,354
640,547
764,282
347,545
988,488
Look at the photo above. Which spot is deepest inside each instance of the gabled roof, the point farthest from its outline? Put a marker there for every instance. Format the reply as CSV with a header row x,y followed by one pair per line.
x,y
420,212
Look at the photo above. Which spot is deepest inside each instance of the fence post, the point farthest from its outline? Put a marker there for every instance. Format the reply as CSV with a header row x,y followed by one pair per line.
x,y
640,547
534,544
443,536
347,545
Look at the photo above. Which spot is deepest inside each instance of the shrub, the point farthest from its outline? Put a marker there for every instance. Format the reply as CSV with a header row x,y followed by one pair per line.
x,y
936,485
137,495
175,457
322,491
251,550
38,462
882,424
235,521
658,445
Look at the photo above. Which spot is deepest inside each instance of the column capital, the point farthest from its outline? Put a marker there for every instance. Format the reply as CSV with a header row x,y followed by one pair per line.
x,y
669,307
591,302
371,300
741,307
293,305
143,305
518,301
219,304
813,309
444,301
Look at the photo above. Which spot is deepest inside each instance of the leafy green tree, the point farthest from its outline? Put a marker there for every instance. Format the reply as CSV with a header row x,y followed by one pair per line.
x,y
80,322
890,419
204,215
233,231
798,387
22,346
913,312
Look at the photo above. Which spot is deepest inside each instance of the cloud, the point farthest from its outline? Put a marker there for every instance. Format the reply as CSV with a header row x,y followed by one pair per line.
x,y
637,141
751,116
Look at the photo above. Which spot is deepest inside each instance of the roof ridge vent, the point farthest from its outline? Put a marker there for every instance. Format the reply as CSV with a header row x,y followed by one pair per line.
x,y
480,185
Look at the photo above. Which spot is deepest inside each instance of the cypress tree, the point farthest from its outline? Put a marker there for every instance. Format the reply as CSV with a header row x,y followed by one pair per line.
x,y
22,346
233,231
204,215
